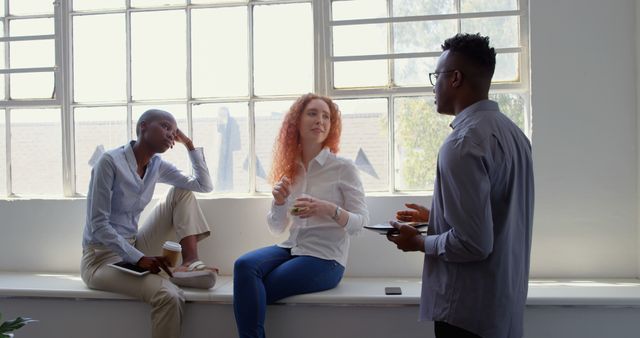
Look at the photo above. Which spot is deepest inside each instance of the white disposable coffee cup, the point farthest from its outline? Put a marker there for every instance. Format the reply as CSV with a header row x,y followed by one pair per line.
x,y
171,250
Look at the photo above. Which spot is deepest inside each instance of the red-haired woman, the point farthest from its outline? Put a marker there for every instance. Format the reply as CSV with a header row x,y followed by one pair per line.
x,y
319,197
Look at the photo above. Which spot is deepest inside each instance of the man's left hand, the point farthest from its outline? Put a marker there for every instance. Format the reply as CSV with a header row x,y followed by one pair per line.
x,y
407,238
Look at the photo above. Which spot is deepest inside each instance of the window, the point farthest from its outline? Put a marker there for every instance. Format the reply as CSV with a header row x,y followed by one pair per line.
x,y
30,97
76,75
392,65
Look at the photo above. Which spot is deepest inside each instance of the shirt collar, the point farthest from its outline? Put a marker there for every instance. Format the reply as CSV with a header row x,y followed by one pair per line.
x,y
131,157
321,158
484,105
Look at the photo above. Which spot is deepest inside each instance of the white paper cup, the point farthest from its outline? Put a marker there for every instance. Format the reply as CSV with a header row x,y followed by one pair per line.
x,y
171,250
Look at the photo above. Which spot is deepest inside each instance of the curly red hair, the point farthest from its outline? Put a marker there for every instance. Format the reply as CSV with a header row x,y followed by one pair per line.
x,y
287,149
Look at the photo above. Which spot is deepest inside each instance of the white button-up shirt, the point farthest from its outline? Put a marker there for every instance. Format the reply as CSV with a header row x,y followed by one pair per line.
x,y
333,179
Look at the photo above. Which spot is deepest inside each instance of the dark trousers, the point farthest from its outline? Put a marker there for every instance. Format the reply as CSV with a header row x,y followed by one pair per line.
x,y
444,330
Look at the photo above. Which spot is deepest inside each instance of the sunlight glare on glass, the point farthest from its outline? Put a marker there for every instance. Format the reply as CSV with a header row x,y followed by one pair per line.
x,y
25,27
158,53
352,74
32,85
283,45
220,52
358,9
99,52
156,3
347,40
83,5
39,130
27,7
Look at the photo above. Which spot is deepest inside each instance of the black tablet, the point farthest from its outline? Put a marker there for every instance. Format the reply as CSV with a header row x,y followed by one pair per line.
x,y
129,268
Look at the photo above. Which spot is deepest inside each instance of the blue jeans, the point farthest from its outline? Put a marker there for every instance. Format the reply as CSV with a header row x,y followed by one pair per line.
x,y
267,275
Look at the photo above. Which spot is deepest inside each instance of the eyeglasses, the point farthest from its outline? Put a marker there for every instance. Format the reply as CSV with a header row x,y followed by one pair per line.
x,y
433,77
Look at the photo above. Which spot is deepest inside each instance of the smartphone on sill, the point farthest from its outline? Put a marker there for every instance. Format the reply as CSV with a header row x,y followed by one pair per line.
x,y
392,290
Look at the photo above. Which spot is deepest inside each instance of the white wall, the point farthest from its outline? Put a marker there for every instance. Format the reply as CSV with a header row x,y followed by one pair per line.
x,y
637,69
583,56
585,138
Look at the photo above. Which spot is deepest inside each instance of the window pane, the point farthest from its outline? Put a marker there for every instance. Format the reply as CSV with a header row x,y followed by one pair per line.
x,y
36,53
365,140
104,127
156,3
419,132
414,72
507,67
36,143
512,105
358,9
347,40
99,53
223,131
219,52
97,4
2,77
3,155
503,31
158,52
487,6
283,45
177,155
215,1
24,27
25,7
32,86
421,7
269,117
361,73
422,36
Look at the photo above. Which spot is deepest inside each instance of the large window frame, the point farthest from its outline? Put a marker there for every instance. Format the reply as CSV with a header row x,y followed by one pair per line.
x,y
323,74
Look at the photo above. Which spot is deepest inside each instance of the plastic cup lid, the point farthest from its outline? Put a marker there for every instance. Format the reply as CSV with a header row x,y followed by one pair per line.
x,y
173,246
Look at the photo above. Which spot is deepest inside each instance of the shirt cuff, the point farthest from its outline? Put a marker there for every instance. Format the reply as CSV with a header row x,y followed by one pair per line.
x,y
197,154
353,223
278,210
134,256
431,245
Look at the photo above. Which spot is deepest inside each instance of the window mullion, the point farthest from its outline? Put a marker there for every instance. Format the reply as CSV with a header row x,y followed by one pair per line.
x,y
391,125
7,51
189,76
321,11
7,121
128,68
252,116
62,94
390,43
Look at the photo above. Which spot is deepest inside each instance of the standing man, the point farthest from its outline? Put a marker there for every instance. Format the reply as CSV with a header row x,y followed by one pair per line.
x,y
477,248
122,184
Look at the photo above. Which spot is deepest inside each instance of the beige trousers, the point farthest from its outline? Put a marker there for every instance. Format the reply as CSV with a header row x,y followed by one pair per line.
x,y
174,218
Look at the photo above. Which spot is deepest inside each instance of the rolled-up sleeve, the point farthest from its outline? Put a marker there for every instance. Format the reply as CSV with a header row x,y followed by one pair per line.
x,y
199,182
99,209
354,202
278,218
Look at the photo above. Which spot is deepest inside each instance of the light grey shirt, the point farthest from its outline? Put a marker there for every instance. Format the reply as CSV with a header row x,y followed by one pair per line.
x,y
117,195
476,268
332,179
